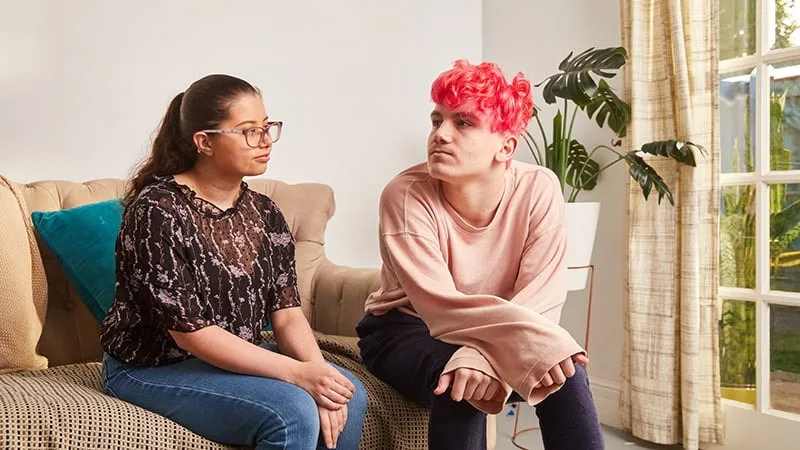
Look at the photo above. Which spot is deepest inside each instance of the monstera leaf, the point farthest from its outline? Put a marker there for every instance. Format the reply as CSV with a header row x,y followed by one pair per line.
x,y
609,108
648,178
581,169
575,81
683,152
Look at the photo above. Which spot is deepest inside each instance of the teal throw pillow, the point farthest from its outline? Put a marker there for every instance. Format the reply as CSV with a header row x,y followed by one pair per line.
x,y
83,241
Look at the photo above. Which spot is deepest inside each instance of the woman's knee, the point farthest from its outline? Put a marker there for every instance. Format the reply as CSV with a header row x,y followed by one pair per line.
x,y
304,416
357,405
294,427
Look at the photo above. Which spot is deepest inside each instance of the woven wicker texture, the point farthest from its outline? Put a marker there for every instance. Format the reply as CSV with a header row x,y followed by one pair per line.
x,y
64,407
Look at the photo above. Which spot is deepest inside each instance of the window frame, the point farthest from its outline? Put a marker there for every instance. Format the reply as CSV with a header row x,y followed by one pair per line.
x,y
762,177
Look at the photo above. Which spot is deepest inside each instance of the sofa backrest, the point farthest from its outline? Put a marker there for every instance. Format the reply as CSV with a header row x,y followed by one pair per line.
x,y
70,333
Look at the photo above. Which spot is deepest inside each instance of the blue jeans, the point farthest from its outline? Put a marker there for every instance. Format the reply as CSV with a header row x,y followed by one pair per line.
x,y
231,408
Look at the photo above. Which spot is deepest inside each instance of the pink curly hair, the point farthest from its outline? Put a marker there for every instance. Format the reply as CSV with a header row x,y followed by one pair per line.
x,y
482,90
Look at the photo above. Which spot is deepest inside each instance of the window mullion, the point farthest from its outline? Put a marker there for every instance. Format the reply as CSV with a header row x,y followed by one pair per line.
x,y
762,235
762,356
762,143
764,10
738,178
765,26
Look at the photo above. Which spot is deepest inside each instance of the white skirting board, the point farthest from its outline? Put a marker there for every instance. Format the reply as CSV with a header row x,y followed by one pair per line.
x,y
606,399
745,428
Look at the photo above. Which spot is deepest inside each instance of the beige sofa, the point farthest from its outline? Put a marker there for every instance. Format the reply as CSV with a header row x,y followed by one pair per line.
x,y
50,392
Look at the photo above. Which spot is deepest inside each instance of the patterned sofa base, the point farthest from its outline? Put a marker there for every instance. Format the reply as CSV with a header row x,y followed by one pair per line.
x,y
64,407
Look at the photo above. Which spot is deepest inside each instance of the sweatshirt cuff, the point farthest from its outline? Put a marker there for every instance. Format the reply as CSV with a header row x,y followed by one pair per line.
x,y
469,358
535,395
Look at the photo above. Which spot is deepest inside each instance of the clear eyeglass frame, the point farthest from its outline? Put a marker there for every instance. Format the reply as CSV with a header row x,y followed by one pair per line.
x,y
253,136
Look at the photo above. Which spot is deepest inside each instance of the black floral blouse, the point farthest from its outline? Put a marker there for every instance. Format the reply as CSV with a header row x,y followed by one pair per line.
x,y
184,264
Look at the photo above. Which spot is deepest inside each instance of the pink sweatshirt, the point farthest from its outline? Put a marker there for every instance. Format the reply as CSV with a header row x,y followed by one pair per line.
x,y
497,291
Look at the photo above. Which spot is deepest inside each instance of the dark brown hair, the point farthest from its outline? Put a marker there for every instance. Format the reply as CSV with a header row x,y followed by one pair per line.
x,y
203,106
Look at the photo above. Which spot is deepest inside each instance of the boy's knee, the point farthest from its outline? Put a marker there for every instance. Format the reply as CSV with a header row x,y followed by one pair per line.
x,y
577,387
444,404
581,376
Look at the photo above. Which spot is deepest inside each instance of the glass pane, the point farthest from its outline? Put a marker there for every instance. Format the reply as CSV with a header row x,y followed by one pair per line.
x,y
784,246
784,337
737,249
737,28
786,15
737,344
784,116
737,120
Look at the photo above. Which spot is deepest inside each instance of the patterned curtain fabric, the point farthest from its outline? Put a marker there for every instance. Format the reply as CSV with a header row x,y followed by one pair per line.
x,y
670,374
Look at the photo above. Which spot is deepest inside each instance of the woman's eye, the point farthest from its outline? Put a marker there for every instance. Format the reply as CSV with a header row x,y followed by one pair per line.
x,y
251,131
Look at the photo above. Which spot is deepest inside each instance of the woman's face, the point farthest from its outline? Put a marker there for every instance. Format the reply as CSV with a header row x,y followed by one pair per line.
x,y
237,154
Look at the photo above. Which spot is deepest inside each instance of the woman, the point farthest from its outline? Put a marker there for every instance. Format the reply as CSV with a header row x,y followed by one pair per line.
x,y
203,263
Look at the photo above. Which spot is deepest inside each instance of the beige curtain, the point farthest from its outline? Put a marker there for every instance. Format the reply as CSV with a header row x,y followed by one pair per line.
x,y
670,374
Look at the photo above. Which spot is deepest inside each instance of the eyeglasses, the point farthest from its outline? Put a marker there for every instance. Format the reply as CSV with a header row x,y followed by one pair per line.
x,y
255,135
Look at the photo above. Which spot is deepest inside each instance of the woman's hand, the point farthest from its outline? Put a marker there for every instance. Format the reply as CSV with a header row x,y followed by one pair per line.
x,y
332,423
328,386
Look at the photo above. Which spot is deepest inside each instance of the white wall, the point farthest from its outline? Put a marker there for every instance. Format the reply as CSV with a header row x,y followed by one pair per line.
x,y
533,37
84,83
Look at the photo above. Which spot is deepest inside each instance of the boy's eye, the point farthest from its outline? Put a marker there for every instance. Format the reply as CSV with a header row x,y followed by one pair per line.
x,y
463,123
436,122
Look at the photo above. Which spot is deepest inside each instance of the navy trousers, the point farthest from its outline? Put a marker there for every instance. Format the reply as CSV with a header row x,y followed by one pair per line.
x,y
399,349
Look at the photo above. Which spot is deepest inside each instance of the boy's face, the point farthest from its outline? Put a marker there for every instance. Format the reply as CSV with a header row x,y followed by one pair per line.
x,y
462,147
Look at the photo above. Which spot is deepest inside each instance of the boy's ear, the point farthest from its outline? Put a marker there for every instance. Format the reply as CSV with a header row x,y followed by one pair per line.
x,y
508,149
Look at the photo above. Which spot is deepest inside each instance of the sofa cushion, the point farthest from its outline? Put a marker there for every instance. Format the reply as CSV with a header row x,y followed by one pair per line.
x,y
65,407
23,289
82,239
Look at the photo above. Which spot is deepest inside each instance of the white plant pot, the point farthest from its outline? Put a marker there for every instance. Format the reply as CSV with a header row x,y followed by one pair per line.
x,y
581,222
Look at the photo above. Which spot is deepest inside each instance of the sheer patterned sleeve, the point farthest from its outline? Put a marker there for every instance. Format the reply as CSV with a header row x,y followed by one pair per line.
x,y
152,243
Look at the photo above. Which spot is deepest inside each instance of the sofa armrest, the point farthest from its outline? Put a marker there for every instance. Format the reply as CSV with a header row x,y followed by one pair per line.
x,y
339,293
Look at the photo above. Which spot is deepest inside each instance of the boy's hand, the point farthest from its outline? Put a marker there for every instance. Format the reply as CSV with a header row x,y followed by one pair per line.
x,y
468,384
563,370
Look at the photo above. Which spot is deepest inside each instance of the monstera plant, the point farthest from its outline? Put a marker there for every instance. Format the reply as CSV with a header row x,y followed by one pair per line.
x,y
581,86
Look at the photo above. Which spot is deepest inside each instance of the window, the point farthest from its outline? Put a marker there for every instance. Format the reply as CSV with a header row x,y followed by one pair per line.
x,y
759,102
